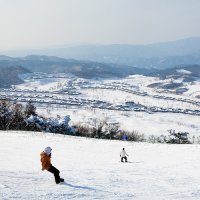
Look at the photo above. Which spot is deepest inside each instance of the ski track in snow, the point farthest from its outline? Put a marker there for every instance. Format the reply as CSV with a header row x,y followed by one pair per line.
x,y
92,169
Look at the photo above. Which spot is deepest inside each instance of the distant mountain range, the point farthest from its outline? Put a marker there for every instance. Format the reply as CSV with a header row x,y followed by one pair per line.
x,y
84,69
12,67
160,55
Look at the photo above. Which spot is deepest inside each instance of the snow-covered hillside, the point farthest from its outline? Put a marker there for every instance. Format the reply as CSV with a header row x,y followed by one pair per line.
x,y
92,170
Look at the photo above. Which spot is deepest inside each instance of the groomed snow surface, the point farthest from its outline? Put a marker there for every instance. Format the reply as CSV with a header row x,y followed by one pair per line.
x,y
92,169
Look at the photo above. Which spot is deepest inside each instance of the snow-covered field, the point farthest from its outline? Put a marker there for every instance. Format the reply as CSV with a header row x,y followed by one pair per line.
x,y
143,123
92,169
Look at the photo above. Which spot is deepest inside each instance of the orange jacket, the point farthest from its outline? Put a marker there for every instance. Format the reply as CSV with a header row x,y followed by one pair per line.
x,y
45,160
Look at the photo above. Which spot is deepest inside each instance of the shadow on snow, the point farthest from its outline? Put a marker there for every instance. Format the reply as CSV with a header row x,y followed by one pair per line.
x,y
79,187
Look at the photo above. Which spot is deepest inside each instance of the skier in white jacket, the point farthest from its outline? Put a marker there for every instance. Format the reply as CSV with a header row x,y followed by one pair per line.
x,y
123,155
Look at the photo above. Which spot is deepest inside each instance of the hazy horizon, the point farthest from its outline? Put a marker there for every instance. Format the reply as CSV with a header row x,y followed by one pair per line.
x,y
94,44
36,24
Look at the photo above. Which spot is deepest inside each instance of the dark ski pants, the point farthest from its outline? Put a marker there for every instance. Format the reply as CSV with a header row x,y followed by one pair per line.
x,y
56,173
124,158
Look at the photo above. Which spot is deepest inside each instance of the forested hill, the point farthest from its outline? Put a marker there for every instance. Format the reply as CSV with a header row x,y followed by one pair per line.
x,y
10,76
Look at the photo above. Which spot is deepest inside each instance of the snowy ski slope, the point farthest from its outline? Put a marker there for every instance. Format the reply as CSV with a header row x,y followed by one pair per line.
x,y
92,170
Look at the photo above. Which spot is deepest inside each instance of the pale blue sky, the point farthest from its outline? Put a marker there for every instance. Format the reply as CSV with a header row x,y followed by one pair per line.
x,y
44,23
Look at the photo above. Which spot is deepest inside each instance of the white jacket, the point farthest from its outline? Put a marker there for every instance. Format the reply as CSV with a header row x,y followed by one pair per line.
x,y
123,153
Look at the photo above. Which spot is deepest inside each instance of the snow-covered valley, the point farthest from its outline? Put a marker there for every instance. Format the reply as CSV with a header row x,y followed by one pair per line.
x,y
128,102
92,169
